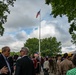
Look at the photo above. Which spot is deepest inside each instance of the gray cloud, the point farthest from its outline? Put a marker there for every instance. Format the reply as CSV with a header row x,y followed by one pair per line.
x,y
61,28
23,16
21,36
6,40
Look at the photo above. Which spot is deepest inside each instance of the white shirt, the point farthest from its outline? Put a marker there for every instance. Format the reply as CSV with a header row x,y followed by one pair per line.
x,y
46,64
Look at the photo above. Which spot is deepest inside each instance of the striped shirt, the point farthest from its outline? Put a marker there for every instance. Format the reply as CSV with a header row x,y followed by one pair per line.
x,y
71,72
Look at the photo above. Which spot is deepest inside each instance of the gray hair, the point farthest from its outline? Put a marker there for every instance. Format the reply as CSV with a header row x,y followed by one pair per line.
x,y
4,49
26,49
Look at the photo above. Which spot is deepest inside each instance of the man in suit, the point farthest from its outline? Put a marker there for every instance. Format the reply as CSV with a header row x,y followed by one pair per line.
x,y
24,65
4,64
11,62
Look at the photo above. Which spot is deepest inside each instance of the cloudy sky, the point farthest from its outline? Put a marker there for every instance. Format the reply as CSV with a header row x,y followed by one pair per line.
x,y
23,24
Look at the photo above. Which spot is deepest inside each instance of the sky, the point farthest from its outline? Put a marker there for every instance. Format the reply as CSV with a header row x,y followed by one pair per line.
x,y
22,24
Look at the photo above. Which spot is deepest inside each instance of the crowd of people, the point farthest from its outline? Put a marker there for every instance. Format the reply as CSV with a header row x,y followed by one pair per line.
x,y
32,65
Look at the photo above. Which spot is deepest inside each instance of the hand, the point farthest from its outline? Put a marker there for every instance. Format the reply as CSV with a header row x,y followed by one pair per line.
x,y
4,70
14,68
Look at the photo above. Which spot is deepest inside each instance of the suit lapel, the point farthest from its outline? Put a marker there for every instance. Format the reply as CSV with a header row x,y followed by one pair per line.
x,y
3,60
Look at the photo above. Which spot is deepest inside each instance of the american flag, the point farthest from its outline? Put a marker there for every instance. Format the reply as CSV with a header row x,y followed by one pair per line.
x,y
38,13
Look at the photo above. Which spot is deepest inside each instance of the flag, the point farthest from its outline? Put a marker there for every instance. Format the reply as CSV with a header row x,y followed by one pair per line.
x,y
38,13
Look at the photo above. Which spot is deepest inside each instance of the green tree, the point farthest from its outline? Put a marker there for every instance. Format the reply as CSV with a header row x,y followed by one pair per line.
x,y
73,39
49,46
12,53
32,44
65,7
4,8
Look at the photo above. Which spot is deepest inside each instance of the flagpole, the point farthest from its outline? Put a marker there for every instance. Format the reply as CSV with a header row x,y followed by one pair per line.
x,y
40,35
39,14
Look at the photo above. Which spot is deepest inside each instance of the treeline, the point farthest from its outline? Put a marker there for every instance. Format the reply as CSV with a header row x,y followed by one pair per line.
x,y
49,46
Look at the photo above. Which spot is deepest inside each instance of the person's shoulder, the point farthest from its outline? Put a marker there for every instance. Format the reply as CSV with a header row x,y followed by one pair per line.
x,y
25,58
69,62
47,61
18,60
1,56
62,62
71,71
30,59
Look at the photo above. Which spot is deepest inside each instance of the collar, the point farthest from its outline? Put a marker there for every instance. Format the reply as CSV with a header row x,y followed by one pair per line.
x,y
24,56
4,56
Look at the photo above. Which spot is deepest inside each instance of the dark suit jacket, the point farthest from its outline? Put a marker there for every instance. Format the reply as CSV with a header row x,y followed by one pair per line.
x,y
3,63
11,62
25,66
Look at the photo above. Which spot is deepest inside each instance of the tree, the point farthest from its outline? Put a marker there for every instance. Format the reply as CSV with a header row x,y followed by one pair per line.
x,y
73,39
65,7
32,44
4,8
49,46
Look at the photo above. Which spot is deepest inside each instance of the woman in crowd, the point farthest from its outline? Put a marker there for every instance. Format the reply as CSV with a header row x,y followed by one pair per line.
x,y
46,66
